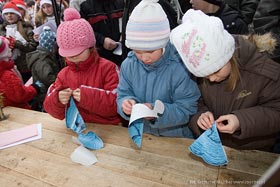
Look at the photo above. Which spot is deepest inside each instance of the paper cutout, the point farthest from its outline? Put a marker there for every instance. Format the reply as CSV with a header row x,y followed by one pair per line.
x,y
50,23
90,140
136,122
75,122
74,119
29,82
83,156
208,146
20,136
141,111
135,131
118,50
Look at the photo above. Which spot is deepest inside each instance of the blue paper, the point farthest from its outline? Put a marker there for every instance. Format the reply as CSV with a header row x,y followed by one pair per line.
x,y
208,146
135,131
74,119
90,140
75,122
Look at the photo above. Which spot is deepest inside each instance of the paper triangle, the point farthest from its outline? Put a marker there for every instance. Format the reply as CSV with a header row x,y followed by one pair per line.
x,y
74,119
208,146
135,131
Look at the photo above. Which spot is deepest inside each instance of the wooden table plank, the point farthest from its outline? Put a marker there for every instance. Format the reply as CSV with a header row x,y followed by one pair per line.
x,y
10,178
162,161
130,161
61,171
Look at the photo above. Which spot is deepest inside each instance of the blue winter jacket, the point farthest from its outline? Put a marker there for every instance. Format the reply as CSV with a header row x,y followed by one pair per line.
x,y
167,80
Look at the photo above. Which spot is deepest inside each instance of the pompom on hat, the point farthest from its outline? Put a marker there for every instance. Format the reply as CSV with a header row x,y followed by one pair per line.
x,y
203,43
4,49
11,7
47,38
74,35
148,27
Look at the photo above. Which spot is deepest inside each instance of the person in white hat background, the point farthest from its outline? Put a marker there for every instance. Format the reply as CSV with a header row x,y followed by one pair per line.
x,y
240,84
20,36
152,71
23,10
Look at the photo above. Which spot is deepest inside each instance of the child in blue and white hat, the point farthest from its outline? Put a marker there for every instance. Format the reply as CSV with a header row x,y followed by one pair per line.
x,y
152,71
43,63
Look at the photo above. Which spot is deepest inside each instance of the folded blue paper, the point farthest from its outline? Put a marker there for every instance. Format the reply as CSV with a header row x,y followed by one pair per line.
x,y
90,140
208,146
74,119
135,131
75,122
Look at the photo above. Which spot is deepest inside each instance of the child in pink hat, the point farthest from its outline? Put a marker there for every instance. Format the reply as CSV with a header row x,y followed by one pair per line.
x,y
88,78
14,91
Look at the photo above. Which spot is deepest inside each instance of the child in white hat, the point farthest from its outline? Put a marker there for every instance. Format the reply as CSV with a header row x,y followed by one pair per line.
x,y
240,86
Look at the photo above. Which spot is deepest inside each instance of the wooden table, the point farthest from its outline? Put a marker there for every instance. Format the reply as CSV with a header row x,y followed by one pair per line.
x,y
161,162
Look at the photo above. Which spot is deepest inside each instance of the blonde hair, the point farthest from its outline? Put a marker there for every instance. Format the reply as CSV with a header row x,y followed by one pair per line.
x,y
40,18
21,30
234,75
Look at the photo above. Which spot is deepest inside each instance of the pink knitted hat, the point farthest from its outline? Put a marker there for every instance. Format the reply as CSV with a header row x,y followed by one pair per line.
x,y
74,35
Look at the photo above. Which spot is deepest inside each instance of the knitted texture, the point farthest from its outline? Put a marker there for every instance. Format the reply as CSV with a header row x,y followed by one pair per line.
x,y
11,7
203,43
4,49
47,39
74,35
147,27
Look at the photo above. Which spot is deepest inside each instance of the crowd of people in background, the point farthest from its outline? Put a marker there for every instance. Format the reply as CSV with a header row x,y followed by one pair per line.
x,y
206,60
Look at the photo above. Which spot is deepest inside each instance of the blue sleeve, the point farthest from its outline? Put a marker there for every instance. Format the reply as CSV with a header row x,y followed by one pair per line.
x,y
185,103
124,89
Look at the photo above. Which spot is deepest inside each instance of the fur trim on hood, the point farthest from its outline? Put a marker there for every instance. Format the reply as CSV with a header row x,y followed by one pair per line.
x,y
264,42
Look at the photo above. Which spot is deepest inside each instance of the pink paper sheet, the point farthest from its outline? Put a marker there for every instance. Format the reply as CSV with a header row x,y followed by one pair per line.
x,y
17,135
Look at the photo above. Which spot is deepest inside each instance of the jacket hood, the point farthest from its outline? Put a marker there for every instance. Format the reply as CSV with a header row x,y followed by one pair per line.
x,y
264,42
252,53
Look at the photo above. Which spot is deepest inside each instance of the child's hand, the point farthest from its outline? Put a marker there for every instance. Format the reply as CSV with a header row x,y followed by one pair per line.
x,y
77,94
36,37
109,44
232,123
127,106
205,120
64,96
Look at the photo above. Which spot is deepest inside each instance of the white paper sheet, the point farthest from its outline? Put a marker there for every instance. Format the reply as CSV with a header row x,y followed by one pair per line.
x,y
50,23
141,111
118,50
83,156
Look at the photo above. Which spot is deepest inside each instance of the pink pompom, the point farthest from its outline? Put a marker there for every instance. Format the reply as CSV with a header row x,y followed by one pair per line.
x,y
71,14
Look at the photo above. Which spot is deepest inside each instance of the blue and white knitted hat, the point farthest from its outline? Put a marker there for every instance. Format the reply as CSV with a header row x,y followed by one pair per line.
x,y
148,27
47,39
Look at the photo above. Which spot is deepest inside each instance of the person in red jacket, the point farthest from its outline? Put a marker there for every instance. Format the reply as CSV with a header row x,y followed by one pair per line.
x,y
13,90
90,79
